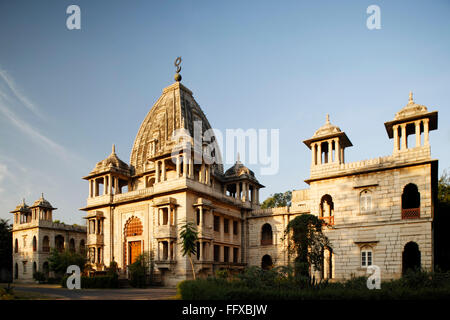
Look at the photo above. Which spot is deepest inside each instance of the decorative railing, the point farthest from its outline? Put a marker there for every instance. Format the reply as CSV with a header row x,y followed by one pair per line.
x,y
328,220
412,213
266,242
45,249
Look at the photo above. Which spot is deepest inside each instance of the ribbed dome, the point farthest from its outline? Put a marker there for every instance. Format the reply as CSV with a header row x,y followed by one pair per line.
x,y
411,109
41,202
238,170
175,109
111,163
326,129
23,207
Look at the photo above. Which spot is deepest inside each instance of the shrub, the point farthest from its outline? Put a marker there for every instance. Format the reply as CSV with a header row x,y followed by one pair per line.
x,y
137,272
39,276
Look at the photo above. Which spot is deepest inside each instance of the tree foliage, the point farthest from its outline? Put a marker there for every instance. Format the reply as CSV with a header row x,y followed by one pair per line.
x,y
444,189
189,237
278,200
138,271
59,261
308,242
6,248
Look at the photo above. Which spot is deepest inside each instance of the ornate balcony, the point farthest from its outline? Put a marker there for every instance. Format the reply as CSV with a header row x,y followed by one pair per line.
x,y
166,231
412,213
95,239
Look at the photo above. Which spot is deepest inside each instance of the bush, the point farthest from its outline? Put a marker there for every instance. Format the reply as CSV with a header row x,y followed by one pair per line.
x,y
257,284
39,276
138,272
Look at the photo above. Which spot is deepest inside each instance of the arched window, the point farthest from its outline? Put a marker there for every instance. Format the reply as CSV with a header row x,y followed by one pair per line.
x,y
34,244
82,247
326,211
72,245
410,202
16,246
46,244
59,243
266,262
366,256
266,235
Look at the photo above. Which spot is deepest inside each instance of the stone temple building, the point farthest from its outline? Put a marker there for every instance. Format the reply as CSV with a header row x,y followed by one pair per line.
x,y
377,211
35,233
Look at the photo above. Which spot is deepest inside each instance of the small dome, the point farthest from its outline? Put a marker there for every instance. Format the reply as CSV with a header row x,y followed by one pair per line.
x,y
411,109
23,207
111,162
238,169
41,202
326,129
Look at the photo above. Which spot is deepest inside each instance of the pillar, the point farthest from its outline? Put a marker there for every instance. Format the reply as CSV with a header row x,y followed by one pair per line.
x,y
201,250
337,151
404,146
178,166
313,154
330,151
110,184
238,191
90,188
191,167
319,153
184,166
104,185
156,171
426,140
396,144
417,123
163,175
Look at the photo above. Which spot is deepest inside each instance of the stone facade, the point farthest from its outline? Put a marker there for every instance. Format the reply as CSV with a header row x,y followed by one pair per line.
x,y
35,234
377,211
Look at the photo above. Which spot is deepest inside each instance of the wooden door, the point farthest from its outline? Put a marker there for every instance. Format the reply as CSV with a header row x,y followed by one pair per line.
x,y
134,248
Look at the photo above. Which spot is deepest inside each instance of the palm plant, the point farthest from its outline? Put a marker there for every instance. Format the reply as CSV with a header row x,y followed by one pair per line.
x,y
189,237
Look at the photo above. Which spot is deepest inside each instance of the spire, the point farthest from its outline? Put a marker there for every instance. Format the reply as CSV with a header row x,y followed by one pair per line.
x,y
42,195
177,65
328,118
410,98
113,149
238,158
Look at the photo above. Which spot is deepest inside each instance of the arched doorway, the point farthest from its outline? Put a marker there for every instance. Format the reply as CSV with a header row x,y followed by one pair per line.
x,y
411,257
132,249
266,262
327,268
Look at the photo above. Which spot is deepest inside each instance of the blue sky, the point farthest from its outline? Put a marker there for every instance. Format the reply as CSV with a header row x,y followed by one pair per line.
x,y
67,96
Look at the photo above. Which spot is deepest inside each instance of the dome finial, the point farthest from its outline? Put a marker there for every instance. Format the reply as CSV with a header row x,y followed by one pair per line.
x,y
113,149
238,158
328,118
42,195
410,98
177,65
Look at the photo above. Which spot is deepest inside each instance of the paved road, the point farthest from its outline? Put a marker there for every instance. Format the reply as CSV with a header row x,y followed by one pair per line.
x,y
58,293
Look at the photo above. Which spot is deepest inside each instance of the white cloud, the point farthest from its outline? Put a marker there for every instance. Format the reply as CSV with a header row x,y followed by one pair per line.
x,y
18,94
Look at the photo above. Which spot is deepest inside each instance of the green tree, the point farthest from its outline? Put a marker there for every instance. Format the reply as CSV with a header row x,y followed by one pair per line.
x,y
444,189
138,271
278,200
6,248
308,242
59,261
189,237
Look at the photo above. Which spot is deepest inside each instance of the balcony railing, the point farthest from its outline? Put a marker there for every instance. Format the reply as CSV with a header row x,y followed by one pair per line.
x,y
266,242
328,220
412,213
